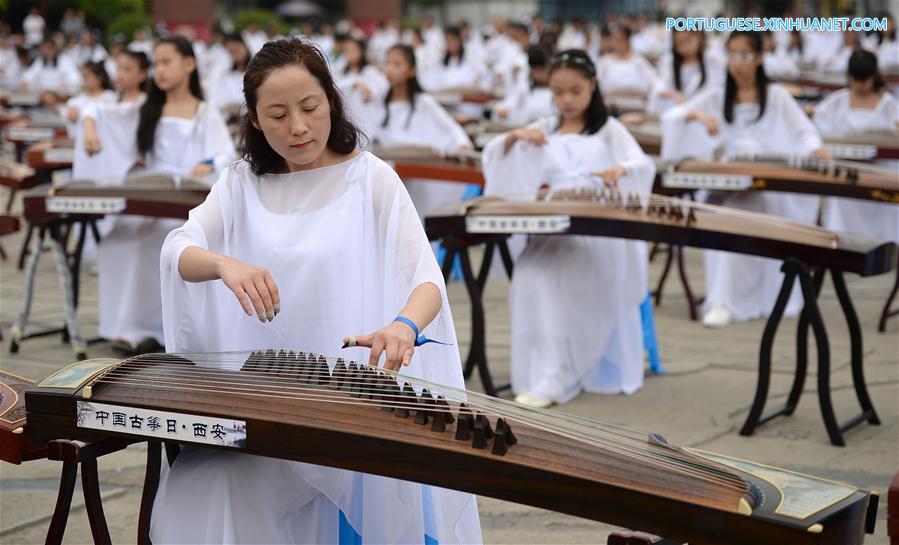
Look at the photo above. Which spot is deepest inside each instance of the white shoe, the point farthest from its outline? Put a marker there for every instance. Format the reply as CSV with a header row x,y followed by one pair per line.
x,y
718,315
525,398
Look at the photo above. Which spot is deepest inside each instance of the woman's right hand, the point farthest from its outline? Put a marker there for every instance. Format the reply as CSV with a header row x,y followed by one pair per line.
x,y
92,144
532,135
711,124
253,286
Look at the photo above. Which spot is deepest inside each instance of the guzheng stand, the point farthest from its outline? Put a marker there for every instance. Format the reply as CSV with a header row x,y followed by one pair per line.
x,y
888,311
68,271
477,352
73,454
810,281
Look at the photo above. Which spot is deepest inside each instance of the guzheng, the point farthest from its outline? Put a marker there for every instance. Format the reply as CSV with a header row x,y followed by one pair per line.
x,y
412,162
50,155
785,173
143,194
15,446
326,411
657,218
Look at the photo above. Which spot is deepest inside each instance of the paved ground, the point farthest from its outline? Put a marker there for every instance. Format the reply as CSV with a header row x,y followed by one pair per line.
x,y
701,401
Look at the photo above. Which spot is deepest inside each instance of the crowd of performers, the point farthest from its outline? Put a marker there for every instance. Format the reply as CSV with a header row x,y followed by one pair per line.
x,y
307,240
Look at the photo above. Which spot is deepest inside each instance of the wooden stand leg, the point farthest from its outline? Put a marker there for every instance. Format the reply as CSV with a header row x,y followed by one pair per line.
x,y
63,503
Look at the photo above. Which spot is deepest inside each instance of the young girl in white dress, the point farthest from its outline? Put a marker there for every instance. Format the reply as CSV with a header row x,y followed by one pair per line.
x,y
621,71
363,85
688,69
574,300
172,131
747,115
96,89
528,102
51,74
225,87
303,242
412,117
866,106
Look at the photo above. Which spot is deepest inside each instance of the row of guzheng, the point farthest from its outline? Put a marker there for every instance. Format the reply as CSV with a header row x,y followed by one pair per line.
x,y
605,211
337,413
143,194
775,172
418,162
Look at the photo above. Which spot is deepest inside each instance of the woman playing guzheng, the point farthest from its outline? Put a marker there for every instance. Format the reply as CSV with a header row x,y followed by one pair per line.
x,y
574,300
866,106
305,241
746,115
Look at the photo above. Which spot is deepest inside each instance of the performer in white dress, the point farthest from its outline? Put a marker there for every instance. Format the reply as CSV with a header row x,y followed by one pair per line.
x,y
574,300
363,85
865,106
319,241
621,71
96,89
688,69
532,101
414,118
747,115
51,73
225,87
172,131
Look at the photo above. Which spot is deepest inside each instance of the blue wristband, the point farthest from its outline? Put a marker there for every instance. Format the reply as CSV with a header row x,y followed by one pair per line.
x,y
419,339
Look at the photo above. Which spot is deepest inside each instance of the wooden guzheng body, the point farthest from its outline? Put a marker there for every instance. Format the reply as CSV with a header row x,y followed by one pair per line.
x,y
412,162
51,155
143,194
794,175
15,446
607,212
320,410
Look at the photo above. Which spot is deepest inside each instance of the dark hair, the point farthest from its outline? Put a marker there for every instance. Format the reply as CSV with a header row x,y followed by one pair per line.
x,y
679,61
624,29
414,87
55,60
276,54
883,34
97,69
151,110
863,65
454,31
576,59
538,57
235,38
761,79
363,47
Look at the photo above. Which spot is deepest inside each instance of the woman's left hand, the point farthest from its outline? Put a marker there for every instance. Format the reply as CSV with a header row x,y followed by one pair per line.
x,y
201,170
397,341
822,153
610,176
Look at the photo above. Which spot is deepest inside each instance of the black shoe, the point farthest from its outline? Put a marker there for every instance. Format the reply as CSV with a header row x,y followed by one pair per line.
x,y
148,346
123,349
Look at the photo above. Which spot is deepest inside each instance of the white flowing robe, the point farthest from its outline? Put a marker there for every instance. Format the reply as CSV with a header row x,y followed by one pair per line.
x,y
62,78
835,117
746,285
617,75
346,248
574,300
428,125
127,258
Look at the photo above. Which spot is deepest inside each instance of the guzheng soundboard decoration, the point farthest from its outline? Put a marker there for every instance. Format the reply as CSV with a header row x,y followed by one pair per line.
x,y
784,173
417,162
15,446
327,411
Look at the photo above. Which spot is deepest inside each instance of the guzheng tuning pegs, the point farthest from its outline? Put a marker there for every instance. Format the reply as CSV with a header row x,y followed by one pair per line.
x,y
482,432
464,423
503,437
339,376
407,398
421,416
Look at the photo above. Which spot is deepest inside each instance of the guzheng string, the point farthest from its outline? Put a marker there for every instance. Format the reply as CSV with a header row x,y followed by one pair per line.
x,y
166,371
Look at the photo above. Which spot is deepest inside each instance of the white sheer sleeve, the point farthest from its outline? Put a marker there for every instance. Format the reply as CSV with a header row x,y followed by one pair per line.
x,y
681,139
806,136
450,132
639,168
829,113
217,143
